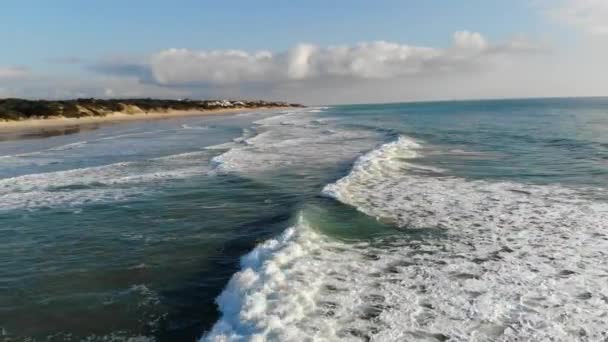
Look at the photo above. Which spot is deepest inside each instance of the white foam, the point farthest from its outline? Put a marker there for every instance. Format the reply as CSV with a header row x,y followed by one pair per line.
x,y
488,261
272,293
56,154
69,146
295,139
131,134
114,182
185,126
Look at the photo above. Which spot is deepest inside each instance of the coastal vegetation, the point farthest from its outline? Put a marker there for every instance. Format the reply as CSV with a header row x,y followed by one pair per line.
x,y
12,109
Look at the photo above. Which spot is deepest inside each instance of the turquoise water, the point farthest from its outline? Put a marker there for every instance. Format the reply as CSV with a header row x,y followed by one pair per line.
x,y
422,221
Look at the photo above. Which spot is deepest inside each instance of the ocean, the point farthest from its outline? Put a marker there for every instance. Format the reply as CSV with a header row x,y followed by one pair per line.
x,y
436,221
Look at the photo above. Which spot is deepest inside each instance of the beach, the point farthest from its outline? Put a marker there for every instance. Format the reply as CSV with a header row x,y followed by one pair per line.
x,y
62,125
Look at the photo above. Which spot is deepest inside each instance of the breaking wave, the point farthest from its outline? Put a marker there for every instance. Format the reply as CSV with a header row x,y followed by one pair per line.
x,y
473,261
113,182
293,139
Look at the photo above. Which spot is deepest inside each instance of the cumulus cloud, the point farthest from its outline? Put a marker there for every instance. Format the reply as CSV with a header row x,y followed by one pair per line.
x,y
307,62
469,40
470,67
373,60
14,73
589,15
183,66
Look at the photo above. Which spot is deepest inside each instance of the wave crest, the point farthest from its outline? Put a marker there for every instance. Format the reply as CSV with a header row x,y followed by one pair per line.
x,y
477,261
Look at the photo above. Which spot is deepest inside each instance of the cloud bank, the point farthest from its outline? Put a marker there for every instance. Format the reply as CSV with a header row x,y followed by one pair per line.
x,y
471,66
306,62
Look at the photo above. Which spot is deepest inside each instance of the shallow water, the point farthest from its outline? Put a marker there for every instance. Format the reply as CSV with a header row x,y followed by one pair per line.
x,y
481,220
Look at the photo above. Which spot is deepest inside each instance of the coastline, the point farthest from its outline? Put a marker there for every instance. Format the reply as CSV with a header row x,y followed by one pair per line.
x,y
33,126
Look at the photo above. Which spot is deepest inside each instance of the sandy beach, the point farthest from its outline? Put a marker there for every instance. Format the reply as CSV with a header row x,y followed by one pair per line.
x,y
61,125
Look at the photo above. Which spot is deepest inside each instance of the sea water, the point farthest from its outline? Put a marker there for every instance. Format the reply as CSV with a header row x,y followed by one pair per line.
x,y
445,221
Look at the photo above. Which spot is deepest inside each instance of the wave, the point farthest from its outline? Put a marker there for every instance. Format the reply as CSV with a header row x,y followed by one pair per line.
x,y
476,260
107,183
13,161
273,290
294,139
126,180
132,134
185,126
54,154
70,146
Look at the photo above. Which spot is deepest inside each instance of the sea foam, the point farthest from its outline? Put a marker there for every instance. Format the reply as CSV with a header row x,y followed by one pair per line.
x,y
477,261
107,183
295,139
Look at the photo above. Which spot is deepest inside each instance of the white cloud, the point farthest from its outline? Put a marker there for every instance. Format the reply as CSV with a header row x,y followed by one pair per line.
x,y
300,59
373,60
13,73
304,62
469,40
589,15
470,67
218,67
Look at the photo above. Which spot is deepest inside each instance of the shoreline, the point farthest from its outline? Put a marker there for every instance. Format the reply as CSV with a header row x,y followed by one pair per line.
x,y
32,126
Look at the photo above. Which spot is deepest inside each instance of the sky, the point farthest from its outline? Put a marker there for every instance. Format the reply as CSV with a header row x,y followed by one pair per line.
x,y
314,52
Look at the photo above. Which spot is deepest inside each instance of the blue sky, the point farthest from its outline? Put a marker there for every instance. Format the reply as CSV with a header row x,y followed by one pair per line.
x,y
40,37
34,31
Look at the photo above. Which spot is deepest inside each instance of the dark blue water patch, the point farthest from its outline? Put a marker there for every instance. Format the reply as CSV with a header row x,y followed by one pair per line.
x,y
192,306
